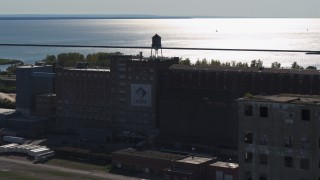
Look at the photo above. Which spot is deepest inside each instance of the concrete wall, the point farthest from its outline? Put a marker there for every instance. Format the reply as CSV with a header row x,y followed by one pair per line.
x,y
283,121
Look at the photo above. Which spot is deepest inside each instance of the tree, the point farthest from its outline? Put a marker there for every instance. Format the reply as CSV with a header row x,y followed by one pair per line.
x,y
215,63
240,64
256,63
185,61
295,65
69,59
311,67
197,62
276,65
50,59
100,59
204,62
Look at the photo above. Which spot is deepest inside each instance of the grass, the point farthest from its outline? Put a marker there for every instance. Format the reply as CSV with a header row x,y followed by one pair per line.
x,y
17,176
56,173
41,174
78,165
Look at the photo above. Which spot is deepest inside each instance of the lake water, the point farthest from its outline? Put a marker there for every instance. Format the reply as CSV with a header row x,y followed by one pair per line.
x,y
294,34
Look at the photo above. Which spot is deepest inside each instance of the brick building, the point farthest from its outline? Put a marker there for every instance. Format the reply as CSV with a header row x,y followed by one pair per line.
x,y
201,100
279,137
45,105
83,99
121,101
135,91
190,167
146,161
173,166
223,171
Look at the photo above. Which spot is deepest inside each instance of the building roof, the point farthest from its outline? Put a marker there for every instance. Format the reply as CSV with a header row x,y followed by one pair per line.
x,y
6,111
33,66
88,69
285,98
243,69
47,95
225,165
195,160
149,154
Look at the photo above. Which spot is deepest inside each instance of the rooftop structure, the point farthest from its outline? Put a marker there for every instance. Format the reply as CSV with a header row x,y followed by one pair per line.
x,y
195,160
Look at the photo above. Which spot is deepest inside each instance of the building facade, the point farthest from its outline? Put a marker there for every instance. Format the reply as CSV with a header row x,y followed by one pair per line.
x,y
121,100
201,100
83,100
32,81
45,105
135,91
279,137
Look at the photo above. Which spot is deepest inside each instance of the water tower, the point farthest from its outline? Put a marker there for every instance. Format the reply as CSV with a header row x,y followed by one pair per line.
x,y
156,45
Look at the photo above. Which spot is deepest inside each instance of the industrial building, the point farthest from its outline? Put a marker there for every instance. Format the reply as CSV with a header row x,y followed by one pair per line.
x,y
172,166
198,103
45,105
83,101
279,137
32,81
147,161
120,101
135,91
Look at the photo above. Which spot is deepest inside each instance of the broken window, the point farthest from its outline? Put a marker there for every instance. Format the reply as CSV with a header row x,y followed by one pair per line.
x,y
263,111
288,142
248,110
304,163
248,157
305,115
288,161
263,158
248,137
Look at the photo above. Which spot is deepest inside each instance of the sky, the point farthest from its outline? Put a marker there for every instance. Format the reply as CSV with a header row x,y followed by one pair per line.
x,y
224,8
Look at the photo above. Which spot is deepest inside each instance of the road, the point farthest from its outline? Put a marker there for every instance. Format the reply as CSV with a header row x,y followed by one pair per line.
x,y
106,175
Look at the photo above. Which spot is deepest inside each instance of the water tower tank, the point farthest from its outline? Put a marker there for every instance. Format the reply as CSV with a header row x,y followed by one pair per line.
x,y
156,42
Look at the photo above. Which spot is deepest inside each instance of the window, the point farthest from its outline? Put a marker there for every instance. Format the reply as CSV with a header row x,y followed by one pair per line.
x,y
248,157
219,175
263,140
248,110
305,115
263,176
304,164
305,144
263,159
248,137
288,161
288,142
248,175
263,111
